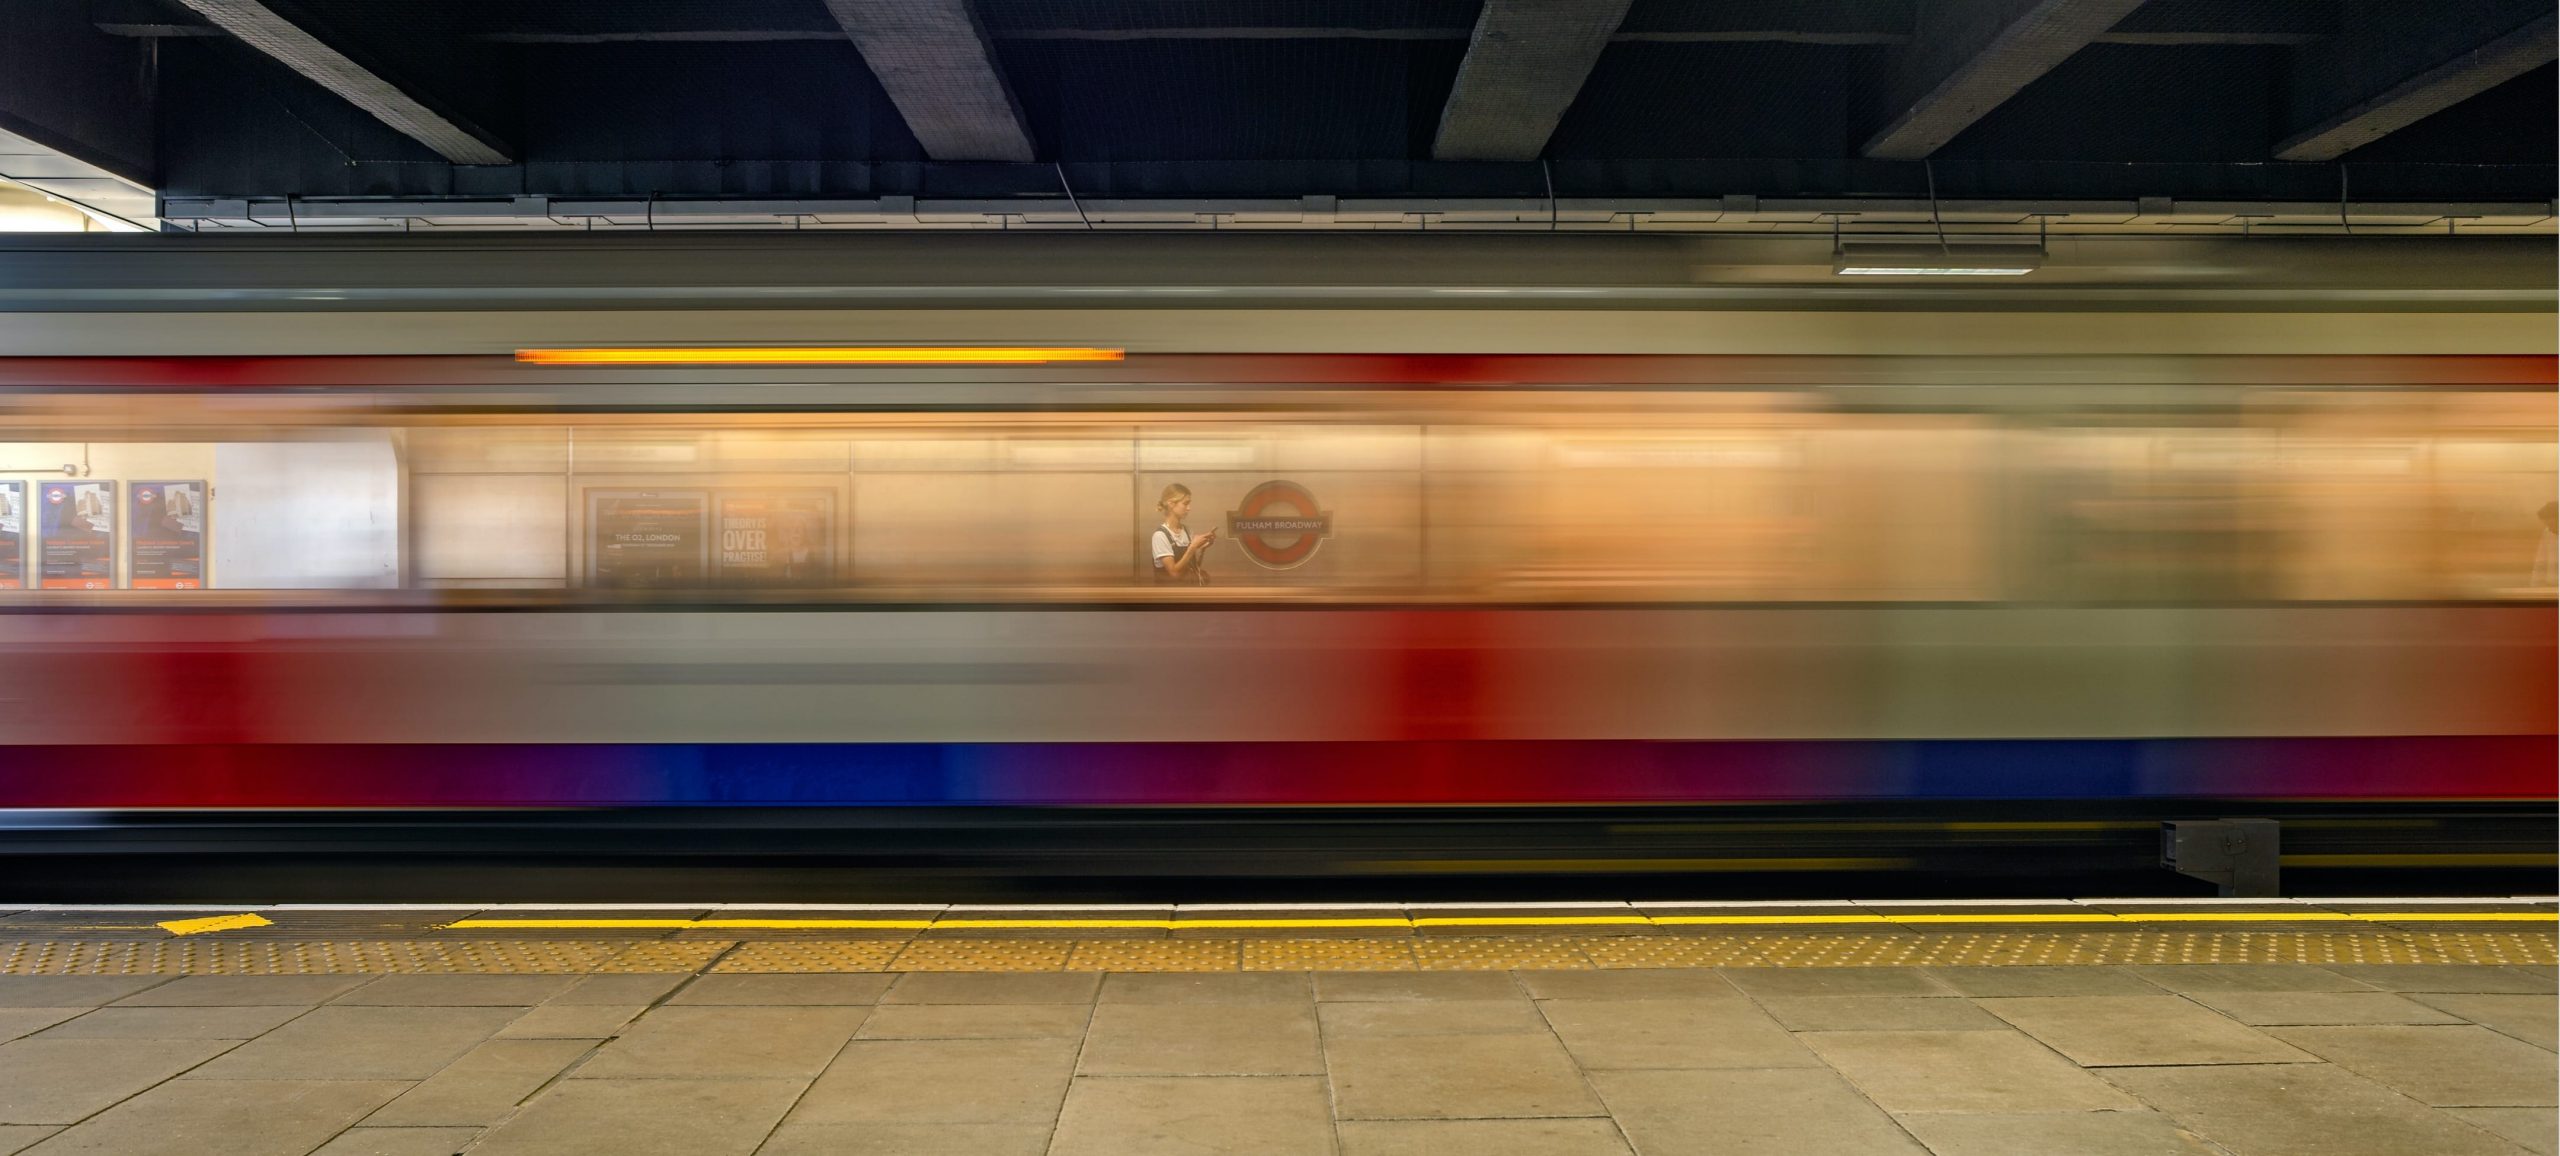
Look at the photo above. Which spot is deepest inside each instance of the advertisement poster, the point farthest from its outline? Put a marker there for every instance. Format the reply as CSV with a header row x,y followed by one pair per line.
x,y
77,540
640,540
13,535
166,529
778,538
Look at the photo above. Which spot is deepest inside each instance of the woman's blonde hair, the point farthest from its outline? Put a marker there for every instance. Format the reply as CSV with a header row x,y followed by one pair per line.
x,y
1164,501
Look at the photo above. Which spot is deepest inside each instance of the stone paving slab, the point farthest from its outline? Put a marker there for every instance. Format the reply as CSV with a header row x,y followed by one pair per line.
x,y
2537,1129
657,1117
2448,1065
2535,1019
1263,1116
2138,1133
2034,981
2278,1109
224,1118
966,1021
1608,1035
1861,1013
942,1082
67,1081
1422,1077
2314,1008
170,1023
726,1043
484,1086
363,1043
1393,987
908,1140
571,1022
2116,1031
27,1021
1482,1137
620,989
1177,1040
1749,1113
1439,1017
1962,1072
1191,989
72,990
459,990
2442,978
365,1141
246,991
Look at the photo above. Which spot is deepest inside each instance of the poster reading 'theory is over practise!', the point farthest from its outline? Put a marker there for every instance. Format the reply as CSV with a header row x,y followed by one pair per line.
x,y
78,535
775,538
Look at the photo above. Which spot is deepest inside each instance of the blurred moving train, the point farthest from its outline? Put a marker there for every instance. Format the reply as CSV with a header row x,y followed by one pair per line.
x,y
1670,613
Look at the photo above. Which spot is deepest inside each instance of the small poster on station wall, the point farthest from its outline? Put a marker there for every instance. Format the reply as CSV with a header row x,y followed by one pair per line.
x,y
776,538
76,542
646,539
13,535
165,527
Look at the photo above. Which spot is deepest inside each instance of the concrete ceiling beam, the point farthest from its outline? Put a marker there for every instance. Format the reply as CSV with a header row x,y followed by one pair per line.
x,y
1525,63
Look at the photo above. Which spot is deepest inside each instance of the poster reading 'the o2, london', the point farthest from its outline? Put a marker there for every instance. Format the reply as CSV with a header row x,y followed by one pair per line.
x,y
77,542
13,535
640,540
167,532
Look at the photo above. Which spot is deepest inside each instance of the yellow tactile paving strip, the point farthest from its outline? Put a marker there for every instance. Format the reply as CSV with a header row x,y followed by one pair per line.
x,y
311,957
808,956
1498,924
1742,948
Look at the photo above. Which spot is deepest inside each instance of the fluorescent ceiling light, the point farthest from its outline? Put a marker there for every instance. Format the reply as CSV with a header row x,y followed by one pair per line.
x,y
1932,261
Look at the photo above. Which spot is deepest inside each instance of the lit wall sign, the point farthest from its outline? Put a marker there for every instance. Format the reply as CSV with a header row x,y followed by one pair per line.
x,y
1279,525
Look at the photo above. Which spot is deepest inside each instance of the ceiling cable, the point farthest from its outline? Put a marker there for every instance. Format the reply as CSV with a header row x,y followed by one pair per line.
x,y
1071,195
1930,171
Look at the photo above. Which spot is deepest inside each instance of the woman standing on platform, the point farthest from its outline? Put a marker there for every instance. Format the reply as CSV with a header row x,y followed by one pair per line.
x,y
1181,559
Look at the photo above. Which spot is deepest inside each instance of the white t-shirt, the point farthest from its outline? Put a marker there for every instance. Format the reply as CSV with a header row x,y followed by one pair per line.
x,y
1168,543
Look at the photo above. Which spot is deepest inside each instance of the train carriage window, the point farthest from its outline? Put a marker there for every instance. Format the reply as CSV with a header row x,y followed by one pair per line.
x,y
2151,515
2231,494
2494,464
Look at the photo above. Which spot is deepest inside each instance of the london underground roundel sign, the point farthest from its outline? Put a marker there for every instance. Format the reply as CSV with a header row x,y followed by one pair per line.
x,y
1278,525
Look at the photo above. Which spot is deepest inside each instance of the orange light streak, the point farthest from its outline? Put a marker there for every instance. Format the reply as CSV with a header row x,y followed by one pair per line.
x,y
822,355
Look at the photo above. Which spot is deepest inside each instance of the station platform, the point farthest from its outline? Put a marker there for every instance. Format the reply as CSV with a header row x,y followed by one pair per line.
x,y
2349,1027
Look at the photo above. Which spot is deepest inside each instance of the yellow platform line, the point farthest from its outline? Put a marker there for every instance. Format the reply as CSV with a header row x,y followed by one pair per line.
x,y
2462,917
815,924
1763,920
1038,924
568,924
1529,920
214,923
2010,917
1917,919
1284,924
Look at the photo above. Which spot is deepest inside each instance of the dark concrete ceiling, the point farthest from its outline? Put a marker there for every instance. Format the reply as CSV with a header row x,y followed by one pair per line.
x,y
2025,99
